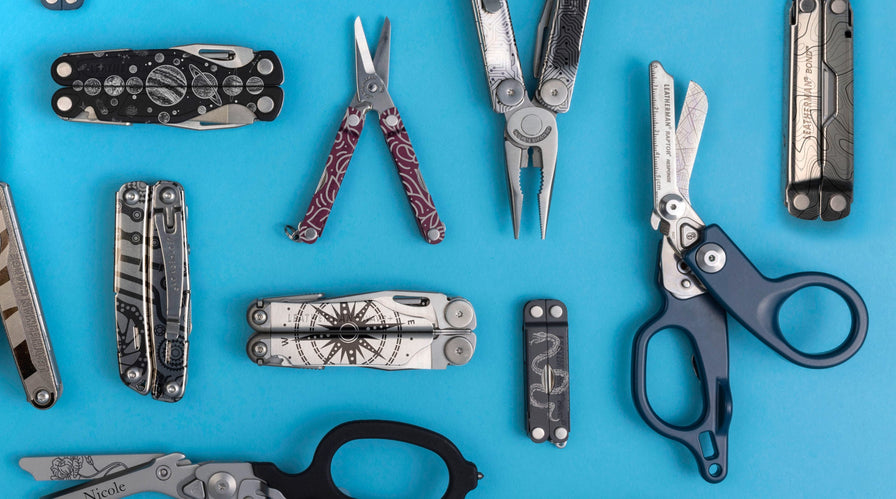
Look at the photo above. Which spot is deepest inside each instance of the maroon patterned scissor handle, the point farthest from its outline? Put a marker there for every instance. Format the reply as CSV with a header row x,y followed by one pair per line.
x,y
312,225
428,221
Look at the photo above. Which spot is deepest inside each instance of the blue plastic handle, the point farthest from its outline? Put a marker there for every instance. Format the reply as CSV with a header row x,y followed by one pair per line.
x,y
705,324
756,301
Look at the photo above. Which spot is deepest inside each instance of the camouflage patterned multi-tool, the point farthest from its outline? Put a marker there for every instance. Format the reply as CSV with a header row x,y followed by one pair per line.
x,y
152,288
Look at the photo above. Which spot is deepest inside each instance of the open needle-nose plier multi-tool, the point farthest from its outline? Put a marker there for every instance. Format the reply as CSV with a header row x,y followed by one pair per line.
x,y
705,277
531,125
123,475
372,83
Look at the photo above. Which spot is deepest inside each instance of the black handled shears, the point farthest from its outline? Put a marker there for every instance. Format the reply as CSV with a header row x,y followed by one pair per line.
x,y
704,278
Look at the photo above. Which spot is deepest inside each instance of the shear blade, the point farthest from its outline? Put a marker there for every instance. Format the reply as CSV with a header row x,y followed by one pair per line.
x,y
383,47
363,61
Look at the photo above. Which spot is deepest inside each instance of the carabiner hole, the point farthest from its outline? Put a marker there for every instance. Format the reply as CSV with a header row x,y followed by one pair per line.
x,y
374,469
815,320
674,391
715,469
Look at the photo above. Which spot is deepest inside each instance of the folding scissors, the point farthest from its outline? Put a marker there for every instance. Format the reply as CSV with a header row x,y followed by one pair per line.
x,y
704,276
173,475
372,83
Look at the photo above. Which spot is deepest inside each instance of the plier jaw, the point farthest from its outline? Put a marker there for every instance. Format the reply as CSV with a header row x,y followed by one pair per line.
x,y
531,127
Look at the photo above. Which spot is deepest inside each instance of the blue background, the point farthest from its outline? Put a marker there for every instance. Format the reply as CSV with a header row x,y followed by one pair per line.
x,y
795,432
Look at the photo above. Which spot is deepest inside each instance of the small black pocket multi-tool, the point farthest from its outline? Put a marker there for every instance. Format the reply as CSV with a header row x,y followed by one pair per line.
x,y
201,87
820,110
390,330
62,4
152,288
23,319
546,329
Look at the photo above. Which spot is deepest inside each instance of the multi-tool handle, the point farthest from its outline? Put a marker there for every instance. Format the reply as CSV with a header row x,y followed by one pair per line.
x,y
431,227
557,52
62,4
23,318
546,334
506,85
756,301
316,482
312,226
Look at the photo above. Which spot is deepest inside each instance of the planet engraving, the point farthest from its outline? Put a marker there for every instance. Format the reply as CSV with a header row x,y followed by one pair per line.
x,y
164,117
93,87
114,85
254,85
166,85
134,85
233,85
205,85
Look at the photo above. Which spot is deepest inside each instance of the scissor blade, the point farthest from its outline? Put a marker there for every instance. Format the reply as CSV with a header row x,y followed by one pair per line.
x,y
84,467
662,119
381,58
687,137
362,51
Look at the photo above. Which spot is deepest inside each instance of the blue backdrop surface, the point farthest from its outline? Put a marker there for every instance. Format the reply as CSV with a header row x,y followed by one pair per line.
x,y
795,432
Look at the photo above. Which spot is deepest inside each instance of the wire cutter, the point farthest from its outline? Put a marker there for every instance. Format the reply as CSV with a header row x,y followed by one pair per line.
x,y
531,125
705,277
123,475
372,83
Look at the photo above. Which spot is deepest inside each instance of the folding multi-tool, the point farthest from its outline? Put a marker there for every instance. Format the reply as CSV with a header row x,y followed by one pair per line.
x,y
531,125
23,318
820,110
389,330
122,475
546,329
62,4
152,288
201,87
372,94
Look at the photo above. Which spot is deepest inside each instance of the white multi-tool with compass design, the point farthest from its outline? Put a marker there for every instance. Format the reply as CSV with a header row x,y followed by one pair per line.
x,y
389,330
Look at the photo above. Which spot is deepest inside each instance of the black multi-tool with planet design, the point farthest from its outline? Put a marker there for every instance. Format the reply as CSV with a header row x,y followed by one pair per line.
x,y
62,4
152,288
819,127
23,318
546,333
389,330
201,87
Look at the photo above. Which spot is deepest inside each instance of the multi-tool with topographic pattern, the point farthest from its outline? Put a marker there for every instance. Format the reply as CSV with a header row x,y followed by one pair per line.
x,y
152,288
23,318
201,87
372,94
62,4
531,125
819,141
546,329
173,475
389,330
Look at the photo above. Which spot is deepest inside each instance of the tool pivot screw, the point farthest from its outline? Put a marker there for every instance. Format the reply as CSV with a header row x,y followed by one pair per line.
x,y
538,433
163,473
259,317
64,104
711,258
131,197
168,196
265,66
556,311
64,69
686,283
459,314
172,388
42,397
561,433
259,349
134,374
536,312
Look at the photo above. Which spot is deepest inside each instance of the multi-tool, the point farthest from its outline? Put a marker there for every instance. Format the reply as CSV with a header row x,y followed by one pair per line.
x,y
819,127
62,4
531,125
201,87
389,330
152,288
23,318
372,84
704,277
546,333
173,475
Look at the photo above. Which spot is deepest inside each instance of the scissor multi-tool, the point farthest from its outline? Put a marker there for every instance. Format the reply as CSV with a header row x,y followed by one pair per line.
x,y
152,288
372,83
820,110
122,475
62,4
546,333
531,125
389,330
23,318
201,87
705,277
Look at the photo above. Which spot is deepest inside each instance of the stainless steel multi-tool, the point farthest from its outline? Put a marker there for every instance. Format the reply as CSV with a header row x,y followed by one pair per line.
x,y
62,4
546,329
819,128
122,475
531,125
152,288
23,318
201,87
389,330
